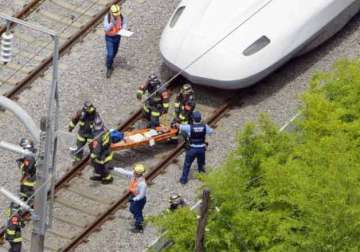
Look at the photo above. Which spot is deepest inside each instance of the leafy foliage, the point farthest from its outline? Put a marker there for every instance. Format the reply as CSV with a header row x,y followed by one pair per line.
x,y
180,227
296,191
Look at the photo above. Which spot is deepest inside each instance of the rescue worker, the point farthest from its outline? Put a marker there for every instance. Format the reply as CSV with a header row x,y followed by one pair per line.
x,y
176,201
196,134
158,101
101,157
113,23
137,190
27,166
11,210
13,232
184,105
99,127
86,119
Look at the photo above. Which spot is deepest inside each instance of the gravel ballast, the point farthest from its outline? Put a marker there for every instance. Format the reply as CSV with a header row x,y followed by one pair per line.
x,y
115,99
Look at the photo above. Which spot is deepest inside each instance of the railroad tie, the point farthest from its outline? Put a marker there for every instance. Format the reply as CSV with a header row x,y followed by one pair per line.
x,y
70,7
110,187
69,221
47,247
58,234
86,195
59,19
68,204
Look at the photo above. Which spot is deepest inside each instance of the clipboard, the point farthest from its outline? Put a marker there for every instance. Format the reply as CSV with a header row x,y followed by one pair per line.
x,y
125,33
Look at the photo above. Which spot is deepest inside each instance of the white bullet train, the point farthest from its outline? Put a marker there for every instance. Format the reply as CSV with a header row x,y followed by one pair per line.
x,y
242,41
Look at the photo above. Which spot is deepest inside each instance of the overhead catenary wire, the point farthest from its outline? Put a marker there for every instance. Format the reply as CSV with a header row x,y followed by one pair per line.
x,y
47,44
152,94
208,50
32,196
195,60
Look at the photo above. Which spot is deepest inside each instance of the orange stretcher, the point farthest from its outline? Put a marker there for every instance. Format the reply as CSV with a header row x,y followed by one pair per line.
x,y
141,137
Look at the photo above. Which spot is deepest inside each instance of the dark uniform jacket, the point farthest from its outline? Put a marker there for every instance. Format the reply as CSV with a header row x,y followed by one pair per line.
x,y
86,122
159,101
27,166
184,108
101,152
13,230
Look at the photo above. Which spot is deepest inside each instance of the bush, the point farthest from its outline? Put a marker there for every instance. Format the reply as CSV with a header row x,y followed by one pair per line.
x,y
295,191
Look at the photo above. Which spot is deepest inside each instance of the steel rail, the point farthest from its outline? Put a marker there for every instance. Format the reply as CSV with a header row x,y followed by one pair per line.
x,y
77,169
84,30
215,117
27,10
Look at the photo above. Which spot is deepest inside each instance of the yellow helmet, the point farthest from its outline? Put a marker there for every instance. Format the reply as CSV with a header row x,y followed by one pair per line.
x,y
139,168
115,9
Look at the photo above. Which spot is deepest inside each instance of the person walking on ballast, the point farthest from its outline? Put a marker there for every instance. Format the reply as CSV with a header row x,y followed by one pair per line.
x,y
137,190
114,21
196,134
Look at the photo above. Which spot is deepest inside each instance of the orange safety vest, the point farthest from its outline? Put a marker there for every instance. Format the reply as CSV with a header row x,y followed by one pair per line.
x,y
116,28
133,186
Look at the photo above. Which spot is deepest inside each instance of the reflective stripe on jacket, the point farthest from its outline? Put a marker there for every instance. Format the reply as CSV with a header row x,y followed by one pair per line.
x,y
101,149
13,232
27,166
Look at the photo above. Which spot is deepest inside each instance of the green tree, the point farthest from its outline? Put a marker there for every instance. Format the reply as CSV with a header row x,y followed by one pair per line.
x,y
296,191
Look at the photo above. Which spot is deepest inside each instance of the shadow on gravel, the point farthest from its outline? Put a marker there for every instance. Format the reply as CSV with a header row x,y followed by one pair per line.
x,y
122,63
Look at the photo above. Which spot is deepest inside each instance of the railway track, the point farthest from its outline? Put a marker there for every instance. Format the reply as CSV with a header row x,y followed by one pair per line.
x,y
154,171
32,51
82,206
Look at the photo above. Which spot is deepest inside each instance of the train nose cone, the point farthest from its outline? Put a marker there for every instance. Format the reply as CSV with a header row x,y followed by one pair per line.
x,y
205,61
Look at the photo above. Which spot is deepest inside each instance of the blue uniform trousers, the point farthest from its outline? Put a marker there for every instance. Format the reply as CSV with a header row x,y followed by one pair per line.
x,y
191,154
136,208
112,47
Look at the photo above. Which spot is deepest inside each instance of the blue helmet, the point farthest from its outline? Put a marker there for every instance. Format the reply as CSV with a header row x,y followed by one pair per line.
x,y
196,116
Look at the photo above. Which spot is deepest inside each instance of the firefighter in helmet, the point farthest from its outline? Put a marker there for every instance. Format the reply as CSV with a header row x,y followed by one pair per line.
x,y
184,105
157,102
9,212
86,120
13,232
101,157
27,165
176,201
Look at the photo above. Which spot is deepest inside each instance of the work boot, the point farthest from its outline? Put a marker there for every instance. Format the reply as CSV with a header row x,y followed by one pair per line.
x,y
96,178
109,72
137,229
106,181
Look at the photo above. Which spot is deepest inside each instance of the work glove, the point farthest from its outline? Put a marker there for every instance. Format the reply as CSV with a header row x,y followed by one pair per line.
x,y
70,129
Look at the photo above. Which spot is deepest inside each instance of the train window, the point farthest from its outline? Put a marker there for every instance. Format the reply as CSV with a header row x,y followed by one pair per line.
x,y
257,46
176,16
